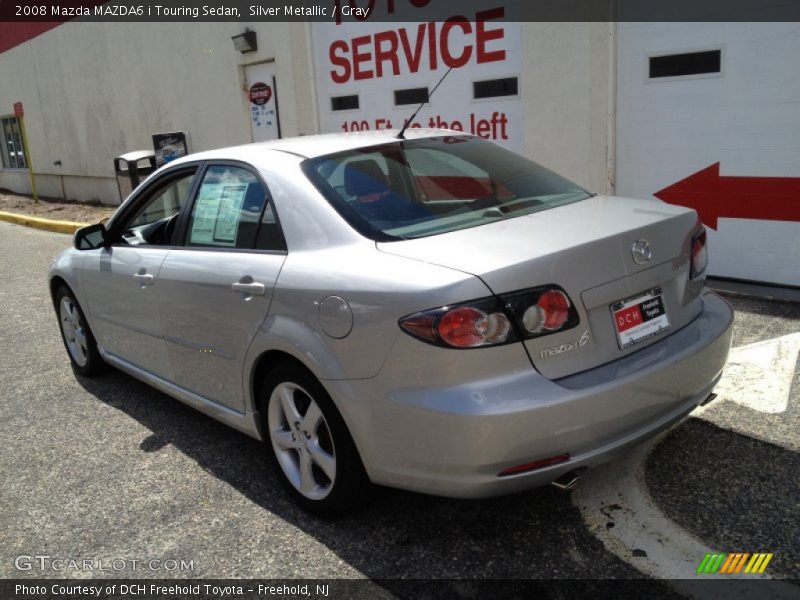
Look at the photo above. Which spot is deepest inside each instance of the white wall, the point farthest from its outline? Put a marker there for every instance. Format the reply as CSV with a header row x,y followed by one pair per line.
x,y
92,91
566,90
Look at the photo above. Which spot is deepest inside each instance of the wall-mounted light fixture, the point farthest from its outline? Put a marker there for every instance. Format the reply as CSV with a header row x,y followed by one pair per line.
x,y
245,42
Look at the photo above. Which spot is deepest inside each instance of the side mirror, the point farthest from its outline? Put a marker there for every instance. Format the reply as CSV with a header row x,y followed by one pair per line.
x,y
91,237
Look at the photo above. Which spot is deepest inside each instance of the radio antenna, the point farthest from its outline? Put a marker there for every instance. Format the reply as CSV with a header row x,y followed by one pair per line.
x,y
399,136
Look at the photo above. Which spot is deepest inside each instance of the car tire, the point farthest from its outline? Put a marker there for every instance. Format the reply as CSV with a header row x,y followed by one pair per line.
x,y
310,447
77,336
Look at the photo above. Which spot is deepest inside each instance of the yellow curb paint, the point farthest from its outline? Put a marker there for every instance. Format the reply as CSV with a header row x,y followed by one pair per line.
x,y
40,223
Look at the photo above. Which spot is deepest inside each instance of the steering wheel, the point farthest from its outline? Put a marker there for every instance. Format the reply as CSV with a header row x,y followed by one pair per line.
x,y
132,237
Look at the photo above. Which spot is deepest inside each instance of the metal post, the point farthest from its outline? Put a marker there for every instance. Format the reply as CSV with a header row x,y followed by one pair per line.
x,y
26,149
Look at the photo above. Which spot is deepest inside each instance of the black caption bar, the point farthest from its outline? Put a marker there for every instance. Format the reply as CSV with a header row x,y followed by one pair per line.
x,y
367,589
398,10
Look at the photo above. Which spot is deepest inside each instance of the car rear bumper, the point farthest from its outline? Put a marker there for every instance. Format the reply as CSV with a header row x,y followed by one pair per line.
x,y
454,440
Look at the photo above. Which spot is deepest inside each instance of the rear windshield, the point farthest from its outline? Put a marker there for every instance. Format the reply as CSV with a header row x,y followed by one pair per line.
x,y
417,188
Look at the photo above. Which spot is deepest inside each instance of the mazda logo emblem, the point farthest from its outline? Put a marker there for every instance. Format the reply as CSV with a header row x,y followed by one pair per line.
x,y
641,252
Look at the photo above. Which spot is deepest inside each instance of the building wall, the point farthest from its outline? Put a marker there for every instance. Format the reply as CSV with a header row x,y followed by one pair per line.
x,y
567,98
562,118
93,91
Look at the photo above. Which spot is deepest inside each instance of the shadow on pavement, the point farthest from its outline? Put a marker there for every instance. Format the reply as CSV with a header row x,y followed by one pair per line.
x,y
736,493
533,534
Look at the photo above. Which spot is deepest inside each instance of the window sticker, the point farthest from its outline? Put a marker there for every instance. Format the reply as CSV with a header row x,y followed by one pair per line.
x,y
217,213
229,213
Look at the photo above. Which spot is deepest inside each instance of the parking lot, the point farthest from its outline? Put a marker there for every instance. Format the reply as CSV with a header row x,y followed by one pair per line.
x,y
106,469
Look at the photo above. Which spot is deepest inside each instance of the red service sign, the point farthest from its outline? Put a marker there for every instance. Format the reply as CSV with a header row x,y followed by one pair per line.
x,y
260,93
18,112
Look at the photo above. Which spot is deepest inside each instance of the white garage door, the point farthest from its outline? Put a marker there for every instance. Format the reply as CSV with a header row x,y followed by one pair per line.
x,y
708,116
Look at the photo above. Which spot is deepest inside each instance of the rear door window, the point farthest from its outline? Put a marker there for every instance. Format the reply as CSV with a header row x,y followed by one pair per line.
x,y
229,212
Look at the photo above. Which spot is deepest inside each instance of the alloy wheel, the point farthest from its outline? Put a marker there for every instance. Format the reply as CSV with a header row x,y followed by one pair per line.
x,y
301,440
74,331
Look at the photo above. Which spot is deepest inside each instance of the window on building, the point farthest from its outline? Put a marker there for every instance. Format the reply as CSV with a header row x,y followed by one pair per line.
x,y
686,63
344,102
13,156
410,96
491,88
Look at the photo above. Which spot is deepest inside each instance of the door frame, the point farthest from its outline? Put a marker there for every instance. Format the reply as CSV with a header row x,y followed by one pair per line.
x,y
246,88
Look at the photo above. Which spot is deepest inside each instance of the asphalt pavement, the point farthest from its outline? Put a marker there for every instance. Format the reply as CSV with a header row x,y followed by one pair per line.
x,y
109,469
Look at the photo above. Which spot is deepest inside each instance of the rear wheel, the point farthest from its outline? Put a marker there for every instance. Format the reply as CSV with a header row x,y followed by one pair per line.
x,y
78,339
311,449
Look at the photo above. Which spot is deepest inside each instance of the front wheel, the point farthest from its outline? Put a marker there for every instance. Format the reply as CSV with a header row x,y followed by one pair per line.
x,y
312,450
78,339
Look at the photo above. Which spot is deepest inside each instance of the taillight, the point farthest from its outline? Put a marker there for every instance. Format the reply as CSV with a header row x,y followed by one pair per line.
x,y
699,255
496,320
541,311
549,313
469,325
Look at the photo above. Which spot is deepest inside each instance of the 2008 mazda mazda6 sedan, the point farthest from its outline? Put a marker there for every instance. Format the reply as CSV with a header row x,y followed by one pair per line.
x,y
432,313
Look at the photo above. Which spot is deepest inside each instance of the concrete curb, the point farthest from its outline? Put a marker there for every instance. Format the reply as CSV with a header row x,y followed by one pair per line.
x,y
69,227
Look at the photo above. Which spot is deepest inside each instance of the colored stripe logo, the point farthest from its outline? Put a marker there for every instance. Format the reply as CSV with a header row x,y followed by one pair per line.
x,y
734,562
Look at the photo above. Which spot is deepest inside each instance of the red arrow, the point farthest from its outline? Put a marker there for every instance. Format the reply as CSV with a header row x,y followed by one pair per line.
x,y
713,196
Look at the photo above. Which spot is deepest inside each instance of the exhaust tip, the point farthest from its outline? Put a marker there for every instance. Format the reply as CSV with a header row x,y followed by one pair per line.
x,y
710,398
569,479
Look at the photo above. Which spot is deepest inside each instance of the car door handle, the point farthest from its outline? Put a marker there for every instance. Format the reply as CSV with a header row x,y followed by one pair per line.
x,y
253,288
144,278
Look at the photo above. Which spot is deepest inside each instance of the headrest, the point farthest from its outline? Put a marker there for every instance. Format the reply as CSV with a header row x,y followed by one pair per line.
x,y
364,177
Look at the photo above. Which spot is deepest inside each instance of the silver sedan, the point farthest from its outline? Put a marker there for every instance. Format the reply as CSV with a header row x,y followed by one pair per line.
x,y
432,313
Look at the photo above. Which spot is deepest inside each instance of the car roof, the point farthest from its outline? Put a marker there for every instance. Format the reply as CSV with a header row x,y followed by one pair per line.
x,y
311,146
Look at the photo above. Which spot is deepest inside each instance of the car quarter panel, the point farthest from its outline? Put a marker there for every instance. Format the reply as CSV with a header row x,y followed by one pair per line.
x,y
378,289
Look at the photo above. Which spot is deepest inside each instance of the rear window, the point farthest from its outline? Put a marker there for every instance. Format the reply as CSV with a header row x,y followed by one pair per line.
x,y
417,188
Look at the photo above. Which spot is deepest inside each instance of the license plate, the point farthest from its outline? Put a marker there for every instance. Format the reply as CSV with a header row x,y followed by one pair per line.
x,y
639,318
